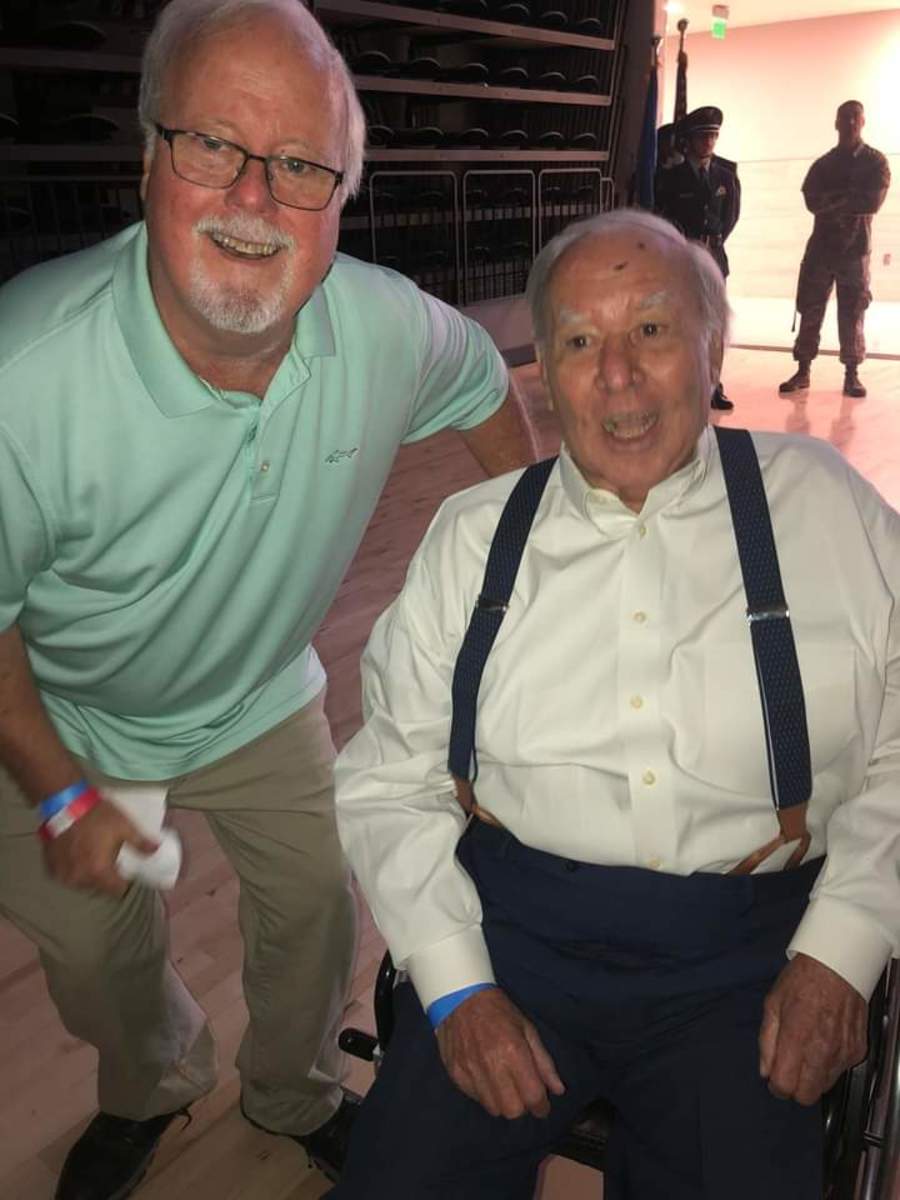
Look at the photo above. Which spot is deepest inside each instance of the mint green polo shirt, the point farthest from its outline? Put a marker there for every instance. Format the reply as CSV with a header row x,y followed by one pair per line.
x,y
168,549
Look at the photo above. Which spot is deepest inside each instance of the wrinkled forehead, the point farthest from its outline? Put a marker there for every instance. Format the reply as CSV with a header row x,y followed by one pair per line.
x,y
629,265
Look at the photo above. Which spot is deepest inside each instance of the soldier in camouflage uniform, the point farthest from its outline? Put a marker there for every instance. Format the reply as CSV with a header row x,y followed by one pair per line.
x,y
843,189
702,194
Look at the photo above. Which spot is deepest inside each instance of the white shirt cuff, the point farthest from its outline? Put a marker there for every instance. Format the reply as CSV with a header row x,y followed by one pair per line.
x,y
839,936
454,963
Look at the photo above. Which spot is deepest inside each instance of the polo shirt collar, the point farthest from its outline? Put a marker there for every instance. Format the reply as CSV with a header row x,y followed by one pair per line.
x,y
172,384
174,387
313,331
666,493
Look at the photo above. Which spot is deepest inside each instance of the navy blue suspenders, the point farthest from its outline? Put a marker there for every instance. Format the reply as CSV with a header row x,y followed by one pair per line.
x,y
774,652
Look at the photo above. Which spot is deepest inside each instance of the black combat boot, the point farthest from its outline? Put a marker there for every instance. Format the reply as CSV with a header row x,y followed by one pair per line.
x,y
798,382
852,385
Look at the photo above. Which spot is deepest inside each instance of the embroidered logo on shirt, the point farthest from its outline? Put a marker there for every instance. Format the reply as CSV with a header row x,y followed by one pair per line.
x,y
336,455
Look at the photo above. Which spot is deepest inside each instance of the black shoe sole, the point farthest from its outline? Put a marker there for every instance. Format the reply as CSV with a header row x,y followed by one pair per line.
x,y
327,1170
330,1172
129,1186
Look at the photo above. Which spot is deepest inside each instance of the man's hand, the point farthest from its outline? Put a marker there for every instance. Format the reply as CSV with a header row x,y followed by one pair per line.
x,y
814,1028
85,855
494,1055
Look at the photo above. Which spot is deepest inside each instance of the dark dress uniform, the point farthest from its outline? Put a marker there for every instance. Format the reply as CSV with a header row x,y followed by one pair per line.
x,y
704,204
839,249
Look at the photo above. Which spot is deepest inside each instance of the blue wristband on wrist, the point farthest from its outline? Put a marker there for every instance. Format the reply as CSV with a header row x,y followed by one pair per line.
x,y
441,1008
51,805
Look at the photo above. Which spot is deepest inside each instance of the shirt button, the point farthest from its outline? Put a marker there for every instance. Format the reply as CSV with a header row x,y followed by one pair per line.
x,y
654,863
642,530
264,467
639,617
636,702
649,778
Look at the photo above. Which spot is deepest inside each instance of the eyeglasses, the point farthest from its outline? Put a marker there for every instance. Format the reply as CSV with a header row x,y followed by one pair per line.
x,y
213,162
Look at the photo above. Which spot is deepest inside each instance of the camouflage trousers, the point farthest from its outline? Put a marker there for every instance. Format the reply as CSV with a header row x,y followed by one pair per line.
x,y
819,272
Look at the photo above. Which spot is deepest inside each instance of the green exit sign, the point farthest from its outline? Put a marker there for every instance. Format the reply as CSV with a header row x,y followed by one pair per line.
x,y
719,26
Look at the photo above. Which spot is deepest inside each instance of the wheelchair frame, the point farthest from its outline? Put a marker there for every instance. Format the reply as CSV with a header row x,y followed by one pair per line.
x,y
861,1113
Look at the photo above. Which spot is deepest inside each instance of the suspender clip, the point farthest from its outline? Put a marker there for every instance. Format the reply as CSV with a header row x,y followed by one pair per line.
x,y
775,612
490,605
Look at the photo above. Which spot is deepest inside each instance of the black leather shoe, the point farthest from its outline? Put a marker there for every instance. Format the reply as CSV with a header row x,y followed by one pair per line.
x,y
327,1145
111,1157
720,401
852,385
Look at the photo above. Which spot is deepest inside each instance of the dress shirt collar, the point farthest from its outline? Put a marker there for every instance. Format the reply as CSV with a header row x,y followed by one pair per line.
x,y
600,505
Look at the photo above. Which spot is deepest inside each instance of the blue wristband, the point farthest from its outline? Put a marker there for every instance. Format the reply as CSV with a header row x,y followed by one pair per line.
x,y
441,1008
51,805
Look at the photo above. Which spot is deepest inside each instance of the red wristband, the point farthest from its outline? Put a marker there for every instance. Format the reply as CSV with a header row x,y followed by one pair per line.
x,y
62,821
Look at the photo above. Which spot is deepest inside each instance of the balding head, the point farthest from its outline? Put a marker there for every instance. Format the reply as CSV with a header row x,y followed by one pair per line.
x,y
627,349
703,275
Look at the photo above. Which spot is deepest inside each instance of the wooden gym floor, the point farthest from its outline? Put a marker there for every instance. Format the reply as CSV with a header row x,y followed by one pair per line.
x,y
48,1078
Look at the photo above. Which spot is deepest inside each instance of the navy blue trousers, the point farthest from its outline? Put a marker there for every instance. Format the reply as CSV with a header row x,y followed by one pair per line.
x,y
647,990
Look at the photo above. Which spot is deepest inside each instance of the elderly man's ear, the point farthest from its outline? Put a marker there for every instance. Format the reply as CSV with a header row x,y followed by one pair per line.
x,y
543,369
145,171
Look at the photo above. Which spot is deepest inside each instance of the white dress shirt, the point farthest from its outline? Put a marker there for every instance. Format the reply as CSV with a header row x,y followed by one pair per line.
x,y
619,718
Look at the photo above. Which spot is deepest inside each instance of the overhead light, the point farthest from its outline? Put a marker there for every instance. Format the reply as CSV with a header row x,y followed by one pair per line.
x,y
674,8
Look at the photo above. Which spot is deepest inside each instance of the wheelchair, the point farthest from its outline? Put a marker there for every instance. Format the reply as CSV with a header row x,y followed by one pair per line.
x,y
861,1113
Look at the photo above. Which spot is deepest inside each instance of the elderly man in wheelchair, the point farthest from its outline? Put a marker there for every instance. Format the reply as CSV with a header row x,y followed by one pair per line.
x,y
625,803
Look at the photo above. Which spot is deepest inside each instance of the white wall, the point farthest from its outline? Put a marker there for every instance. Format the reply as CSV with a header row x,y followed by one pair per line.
x,y
779,86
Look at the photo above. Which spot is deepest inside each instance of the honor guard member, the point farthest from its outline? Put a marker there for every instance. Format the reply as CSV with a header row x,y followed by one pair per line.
x,y
843,189
702,194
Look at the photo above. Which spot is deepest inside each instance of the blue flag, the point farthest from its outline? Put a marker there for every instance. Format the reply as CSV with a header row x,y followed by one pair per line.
x,y
646,164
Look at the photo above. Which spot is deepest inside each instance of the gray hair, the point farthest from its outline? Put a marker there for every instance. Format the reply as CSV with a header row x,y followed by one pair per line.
x,y
184,21
703,271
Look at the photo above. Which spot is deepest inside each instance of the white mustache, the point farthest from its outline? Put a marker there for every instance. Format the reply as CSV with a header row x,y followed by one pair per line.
x,y
245,229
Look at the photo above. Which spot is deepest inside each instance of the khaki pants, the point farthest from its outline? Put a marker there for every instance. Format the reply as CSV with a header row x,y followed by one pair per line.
x,y
270,805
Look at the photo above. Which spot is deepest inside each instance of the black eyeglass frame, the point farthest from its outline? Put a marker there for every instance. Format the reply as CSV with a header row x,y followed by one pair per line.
x,y
168,136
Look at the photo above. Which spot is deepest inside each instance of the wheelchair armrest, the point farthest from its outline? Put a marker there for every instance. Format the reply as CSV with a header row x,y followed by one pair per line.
x,y
359,1044
586,1141
845,1108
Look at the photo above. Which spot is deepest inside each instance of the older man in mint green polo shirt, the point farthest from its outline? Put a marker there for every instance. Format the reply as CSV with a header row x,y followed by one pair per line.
x,y
196,420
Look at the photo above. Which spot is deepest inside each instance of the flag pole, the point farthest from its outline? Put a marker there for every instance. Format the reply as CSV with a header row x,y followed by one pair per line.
x,y
681,77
